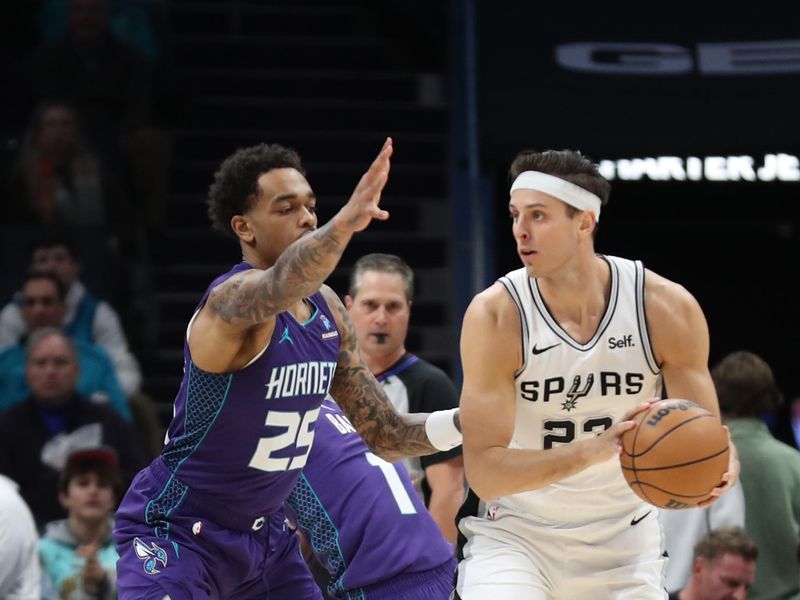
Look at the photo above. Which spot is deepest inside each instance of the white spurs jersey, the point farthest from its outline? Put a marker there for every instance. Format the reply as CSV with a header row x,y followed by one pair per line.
x,y
567,391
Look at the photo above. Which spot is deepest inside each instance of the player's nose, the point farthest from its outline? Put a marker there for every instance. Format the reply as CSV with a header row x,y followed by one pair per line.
x,y
520,232
308,218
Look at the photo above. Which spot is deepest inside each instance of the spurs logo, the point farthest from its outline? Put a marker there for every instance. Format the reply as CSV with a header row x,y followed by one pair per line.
x,y
151,555
574,393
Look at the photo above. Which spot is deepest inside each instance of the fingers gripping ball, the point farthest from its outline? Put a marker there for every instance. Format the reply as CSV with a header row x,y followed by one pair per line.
x,y
676,454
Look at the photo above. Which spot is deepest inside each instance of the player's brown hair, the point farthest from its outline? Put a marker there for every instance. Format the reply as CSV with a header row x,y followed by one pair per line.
x,y
569,165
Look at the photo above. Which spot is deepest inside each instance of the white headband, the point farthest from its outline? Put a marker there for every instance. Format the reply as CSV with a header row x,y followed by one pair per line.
x,y
563,190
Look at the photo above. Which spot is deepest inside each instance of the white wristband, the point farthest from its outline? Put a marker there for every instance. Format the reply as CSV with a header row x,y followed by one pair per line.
x,y
442,431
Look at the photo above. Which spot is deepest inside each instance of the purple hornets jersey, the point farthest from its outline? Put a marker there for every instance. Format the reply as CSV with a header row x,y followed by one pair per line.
x,y
361,514
239,440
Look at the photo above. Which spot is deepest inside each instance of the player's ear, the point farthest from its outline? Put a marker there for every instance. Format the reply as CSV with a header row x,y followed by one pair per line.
x,y
348,301
587,222
241,227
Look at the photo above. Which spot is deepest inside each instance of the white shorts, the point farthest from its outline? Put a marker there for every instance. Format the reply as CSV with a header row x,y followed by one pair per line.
x,y
513,558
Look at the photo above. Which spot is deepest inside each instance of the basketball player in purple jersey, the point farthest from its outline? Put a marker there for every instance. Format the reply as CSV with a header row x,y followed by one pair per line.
x,y
377,540
266,344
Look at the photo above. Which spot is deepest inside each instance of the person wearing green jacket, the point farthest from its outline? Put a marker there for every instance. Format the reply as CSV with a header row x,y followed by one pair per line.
x,y
770,473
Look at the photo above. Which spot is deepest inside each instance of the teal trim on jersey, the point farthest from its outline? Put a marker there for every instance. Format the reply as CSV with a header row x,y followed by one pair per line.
x,y
192,368
327,517
338,584
162,527
173,489
309,319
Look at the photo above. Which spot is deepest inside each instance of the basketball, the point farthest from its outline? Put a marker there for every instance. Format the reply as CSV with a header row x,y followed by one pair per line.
x,y
676,454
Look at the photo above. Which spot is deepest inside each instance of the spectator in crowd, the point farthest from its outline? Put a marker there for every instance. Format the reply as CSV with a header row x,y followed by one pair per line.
x,y
87,317
379,304
112,87
57,179
770,472
723,568
684,528
37,435
43,306
77,553
19,567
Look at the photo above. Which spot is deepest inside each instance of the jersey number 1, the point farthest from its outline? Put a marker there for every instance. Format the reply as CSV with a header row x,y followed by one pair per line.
x,y
399,492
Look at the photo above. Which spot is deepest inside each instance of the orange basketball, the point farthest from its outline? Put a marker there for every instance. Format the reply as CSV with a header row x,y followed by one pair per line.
x,y
676,454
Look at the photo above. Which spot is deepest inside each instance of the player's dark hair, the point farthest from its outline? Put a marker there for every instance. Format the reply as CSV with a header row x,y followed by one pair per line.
x,y
745,386
382,263
727,540
61,290
235,188
569,165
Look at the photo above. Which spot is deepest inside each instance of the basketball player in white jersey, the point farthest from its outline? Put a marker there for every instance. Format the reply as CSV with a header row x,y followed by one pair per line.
x,y
557,357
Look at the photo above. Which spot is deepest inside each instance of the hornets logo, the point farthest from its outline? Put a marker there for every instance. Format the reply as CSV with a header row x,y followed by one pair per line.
x,y
151,555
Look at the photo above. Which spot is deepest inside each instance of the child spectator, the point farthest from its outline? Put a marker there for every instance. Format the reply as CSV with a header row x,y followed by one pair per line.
x,y
77,553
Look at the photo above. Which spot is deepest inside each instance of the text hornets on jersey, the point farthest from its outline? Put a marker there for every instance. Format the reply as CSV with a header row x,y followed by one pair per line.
x,y
300,379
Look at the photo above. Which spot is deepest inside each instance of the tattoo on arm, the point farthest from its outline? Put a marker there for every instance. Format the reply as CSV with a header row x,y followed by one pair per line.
x,y
298,272
389,434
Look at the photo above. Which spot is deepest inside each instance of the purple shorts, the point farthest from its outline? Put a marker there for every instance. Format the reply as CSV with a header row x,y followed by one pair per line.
x,y
189,555
434,584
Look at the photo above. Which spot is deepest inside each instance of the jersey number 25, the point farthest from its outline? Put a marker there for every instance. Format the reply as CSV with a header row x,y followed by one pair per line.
x,y
299,434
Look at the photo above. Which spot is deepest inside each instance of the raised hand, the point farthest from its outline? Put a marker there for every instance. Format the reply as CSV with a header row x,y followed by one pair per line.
x,y
363,204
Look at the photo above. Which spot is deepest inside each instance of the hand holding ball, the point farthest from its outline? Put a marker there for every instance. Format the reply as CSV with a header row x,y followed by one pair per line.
x,y
675,455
